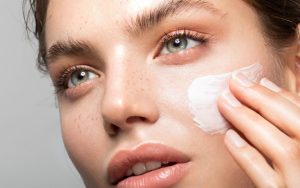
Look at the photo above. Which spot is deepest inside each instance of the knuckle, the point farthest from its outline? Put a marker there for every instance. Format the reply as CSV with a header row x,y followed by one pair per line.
x,y
250,155
268,96
294,97
271,185
274,183
248,116
291,151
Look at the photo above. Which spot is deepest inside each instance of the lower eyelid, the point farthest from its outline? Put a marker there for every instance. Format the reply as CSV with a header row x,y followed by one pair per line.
x,y
184,57
80,90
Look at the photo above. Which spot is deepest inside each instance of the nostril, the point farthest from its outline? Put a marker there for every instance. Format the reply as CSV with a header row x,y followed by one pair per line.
x,y
113,130
134,119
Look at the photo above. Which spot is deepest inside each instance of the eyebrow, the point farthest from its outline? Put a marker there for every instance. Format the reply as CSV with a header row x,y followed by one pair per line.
x,y
137,25
70,48
152,17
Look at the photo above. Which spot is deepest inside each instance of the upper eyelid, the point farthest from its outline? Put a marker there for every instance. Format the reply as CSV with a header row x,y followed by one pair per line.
x,y
171,34
182,32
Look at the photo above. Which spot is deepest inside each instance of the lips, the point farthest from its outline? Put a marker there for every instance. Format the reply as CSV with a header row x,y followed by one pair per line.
x,y
152,164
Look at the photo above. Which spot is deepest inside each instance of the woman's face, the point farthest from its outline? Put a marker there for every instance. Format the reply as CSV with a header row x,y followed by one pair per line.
x,y
123,68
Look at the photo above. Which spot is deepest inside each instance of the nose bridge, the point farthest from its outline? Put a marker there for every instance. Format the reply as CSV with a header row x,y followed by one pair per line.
x,y
125,73
126,97
125,80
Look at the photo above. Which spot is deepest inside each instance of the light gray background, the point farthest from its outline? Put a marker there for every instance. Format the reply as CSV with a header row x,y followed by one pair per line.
x,y
32,154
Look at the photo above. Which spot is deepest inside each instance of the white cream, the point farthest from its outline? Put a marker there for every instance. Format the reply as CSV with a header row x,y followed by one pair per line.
x,y
204,92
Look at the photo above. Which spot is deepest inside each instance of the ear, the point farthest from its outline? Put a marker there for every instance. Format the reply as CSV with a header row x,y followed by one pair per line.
x,y
297,63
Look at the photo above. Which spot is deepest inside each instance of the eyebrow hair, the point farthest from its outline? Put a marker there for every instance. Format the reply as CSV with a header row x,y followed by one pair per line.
x,y
149,18
70,48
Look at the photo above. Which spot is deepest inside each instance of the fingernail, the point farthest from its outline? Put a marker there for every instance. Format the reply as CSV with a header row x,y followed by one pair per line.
x,y
241,79
235,139
270,85
230,99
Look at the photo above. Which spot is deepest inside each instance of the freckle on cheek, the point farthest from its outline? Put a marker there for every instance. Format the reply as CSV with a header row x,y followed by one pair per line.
x,y
84,124
78,127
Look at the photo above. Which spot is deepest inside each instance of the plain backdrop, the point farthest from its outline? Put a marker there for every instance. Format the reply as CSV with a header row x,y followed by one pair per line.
x,y
32,154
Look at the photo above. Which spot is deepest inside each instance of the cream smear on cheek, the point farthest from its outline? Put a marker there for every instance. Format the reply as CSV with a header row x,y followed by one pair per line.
x,y
204,92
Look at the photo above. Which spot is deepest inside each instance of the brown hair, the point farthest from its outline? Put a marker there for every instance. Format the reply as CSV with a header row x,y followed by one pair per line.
x,y
279,19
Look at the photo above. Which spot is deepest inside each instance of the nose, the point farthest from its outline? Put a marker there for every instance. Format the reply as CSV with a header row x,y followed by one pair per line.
x,y
127,100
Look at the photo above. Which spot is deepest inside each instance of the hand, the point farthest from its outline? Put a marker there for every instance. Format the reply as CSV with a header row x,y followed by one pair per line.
x,y
267,118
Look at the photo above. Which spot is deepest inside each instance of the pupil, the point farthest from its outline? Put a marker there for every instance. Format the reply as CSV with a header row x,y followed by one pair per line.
x,y
177,42
81,75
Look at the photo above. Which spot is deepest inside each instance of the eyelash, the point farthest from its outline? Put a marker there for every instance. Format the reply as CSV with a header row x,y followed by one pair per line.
x,y
61,84
180,33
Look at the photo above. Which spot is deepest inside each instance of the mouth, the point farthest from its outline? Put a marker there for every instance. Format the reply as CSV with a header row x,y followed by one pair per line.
x,y
149,165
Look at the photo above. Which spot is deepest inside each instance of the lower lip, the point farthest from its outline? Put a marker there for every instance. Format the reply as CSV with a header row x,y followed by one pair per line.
x,y
163,177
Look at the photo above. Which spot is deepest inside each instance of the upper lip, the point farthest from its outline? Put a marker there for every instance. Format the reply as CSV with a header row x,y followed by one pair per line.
x,y
125,159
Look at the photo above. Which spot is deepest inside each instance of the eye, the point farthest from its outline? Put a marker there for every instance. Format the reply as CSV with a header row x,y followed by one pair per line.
x,y
177,44
79,77
181,40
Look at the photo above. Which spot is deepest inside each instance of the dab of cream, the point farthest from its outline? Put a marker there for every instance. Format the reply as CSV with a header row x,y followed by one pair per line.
x,y
204,92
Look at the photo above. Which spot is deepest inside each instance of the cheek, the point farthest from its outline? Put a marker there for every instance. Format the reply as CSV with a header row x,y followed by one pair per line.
x,y
170,85
83,134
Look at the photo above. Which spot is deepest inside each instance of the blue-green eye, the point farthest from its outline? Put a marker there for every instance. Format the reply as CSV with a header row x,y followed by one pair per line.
x,y
80,76
178,44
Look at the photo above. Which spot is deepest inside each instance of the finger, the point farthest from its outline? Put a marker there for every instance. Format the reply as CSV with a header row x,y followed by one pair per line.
x,y
297,68
294,98
271,105
267,138
252,162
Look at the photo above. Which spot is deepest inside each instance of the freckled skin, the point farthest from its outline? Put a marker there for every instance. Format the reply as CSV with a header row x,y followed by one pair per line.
x,y
138,98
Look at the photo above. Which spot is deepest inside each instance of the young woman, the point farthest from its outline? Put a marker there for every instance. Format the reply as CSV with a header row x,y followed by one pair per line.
x,y
122,70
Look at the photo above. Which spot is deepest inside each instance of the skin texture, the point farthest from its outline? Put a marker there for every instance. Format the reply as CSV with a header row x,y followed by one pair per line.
x,y
139,95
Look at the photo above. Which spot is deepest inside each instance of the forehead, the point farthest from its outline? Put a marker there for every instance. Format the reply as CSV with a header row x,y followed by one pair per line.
x,y
67,17
106,9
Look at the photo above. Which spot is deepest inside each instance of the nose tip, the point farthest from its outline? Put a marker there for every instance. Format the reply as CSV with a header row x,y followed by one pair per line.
x,y
124,114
